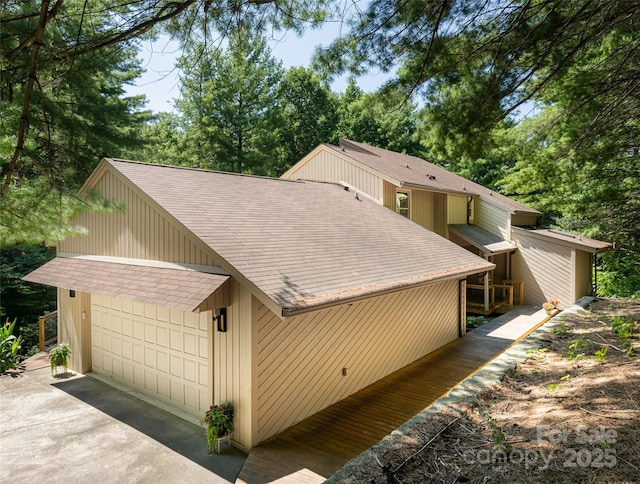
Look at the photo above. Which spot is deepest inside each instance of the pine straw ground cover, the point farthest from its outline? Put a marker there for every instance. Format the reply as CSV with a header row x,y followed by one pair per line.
x,y
569,413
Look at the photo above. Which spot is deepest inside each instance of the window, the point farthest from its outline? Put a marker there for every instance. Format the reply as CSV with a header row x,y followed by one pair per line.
x,y
402,203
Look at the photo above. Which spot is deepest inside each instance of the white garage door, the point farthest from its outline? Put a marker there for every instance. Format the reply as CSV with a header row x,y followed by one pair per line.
x,y
159,351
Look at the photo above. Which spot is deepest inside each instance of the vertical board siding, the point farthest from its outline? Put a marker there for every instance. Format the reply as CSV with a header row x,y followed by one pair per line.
x,y
389,195
422,209
75,328
161,352
545,268
140,231
440,214
300,359
233,367
492,218
456,209
524,219
330,167
583,271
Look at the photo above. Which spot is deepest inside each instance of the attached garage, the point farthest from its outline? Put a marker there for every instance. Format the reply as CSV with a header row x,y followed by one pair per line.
x,y
162,352
143,324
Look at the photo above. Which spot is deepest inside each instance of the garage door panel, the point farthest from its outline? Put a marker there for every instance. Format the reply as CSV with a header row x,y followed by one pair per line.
x,y
175,340
150,381
163,387
175,366
127,326
190,343
150,333
162,362
149,357
190,370
138,329
117,368
127,372
167,358
116,324
162,314
191,396
138,353
138,376
162,338
176,391
203,374
116,346
203,346
127,350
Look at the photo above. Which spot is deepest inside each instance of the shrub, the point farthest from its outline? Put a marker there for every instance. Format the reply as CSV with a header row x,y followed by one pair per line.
x,y
9,347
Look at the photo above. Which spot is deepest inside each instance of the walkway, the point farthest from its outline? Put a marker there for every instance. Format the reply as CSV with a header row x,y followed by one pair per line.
x,y
317,447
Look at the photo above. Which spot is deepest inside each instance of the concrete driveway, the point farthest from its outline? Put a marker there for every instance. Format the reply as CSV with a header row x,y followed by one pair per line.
x,y
79,430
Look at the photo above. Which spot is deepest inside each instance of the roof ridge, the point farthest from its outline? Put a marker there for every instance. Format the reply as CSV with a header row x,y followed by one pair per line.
x,y
204,170
354,145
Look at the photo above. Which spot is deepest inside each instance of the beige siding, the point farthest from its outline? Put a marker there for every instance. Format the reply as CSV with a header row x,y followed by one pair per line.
x,y
440,214
422,209
545,268
74,327
456,209
330,167
524,219
389,197
301,359
583,263
141,231
161,352
492,218
233,366
421,204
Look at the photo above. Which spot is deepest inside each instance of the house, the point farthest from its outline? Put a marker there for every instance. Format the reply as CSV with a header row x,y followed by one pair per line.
x,y
531,264
279,296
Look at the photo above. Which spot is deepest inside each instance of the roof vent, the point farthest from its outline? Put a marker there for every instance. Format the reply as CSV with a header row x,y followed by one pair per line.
x,y
431,177
357,197
407,165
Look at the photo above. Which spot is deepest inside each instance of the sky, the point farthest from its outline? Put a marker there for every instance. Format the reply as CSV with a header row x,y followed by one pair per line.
x,y
160,82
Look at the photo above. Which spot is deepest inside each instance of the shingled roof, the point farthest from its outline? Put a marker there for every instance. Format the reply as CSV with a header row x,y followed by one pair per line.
x,y
401,169
303,244
163,286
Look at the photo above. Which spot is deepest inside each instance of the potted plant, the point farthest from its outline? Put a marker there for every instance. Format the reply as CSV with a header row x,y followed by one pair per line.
x,y
219,422
551,305
59,357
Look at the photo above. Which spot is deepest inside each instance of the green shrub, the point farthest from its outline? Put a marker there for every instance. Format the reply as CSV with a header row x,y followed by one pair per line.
x,y
9,347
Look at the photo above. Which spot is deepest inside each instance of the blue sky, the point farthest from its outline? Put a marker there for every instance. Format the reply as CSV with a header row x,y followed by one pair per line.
x,y
160,82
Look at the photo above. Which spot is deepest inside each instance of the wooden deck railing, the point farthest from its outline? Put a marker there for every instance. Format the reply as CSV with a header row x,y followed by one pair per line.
x,y
500,298
518,290
43,319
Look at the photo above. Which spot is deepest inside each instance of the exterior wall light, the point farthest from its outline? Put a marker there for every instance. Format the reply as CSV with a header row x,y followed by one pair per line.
x,y
220,317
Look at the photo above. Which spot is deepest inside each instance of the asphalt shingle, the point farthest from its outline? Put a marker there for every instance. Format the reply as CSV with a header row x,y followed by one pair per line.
x,y
177,288
301,243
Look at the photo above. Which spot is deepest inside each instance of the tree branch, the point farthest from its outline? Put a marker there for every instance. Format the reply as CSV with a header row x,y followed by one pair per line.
x,y
24,118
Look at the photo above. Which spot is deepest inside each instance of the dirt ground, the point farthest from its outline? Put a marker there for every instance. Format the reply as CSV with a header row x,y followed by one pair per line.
x,y
569,413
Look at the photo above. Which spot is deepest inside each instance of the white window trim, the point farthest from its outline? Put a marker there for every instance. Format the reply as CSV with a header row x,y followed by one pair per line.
x,y
408,192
